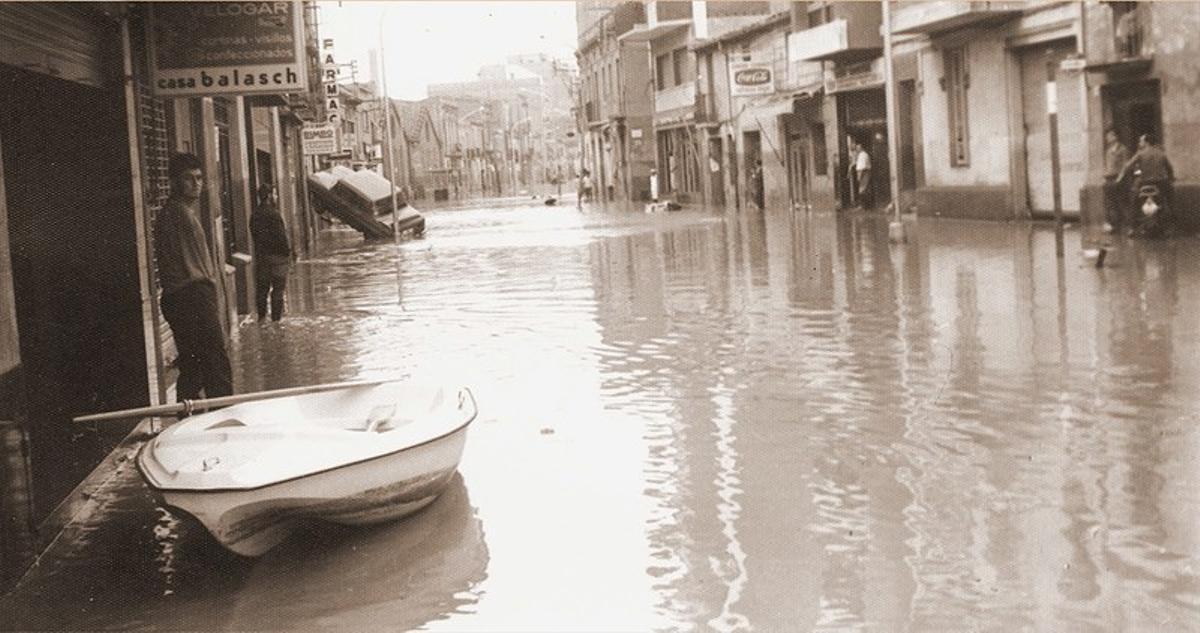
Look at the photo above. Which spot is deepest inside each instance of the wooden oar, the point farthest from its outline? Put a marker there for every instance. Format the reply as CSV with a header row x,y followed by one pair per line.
x,y
188,406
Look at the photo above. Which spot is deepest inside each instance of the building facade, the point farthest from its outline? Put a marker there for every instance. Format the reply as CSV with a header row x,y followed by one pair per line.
x,y
1140,77
84,145
616,104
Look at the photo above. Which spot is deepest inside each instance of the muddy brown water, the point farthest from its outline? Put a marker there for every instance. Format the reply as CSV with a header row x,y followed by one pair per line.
x,y
706,421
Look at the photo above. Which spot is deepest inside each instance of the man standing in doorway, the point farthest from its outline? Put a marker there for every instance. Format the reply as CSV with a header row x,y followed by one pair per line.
x,y
1115,198
272,254
862,176
189,279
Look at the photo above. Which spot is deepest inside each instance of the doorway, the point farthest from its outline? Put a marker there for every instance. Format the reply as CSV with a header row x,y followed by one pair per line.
x,y
716,177
752,148
73,247
797,150
1035,63
1132,109
862,116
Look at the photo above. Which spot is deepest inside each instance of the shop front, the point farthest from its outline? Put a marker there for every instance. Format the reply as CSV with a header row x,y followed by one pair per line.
x,y
77,319
861,115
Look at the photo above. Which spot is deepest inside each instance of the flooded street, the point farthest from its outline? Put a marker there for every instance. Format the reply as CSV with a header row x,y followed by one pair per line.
x,y
705,421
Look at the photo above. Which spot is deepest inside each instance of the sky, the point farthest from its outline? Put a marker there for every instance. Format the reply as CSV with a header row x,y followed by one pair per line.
x,y
436,41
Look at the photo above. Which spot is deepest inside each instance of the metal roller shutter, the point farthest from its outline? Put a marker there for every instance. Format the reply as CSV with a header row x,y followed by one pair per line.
x,y
75,42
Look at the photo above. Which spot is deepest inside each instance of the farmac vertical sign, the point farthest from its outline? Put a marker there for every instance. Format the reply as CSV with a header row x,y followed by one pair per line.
x,y
220,48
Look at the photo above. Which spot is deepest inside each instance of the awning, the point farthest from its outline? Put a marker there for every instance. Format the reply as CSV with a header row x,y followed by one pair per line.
x,y
642,33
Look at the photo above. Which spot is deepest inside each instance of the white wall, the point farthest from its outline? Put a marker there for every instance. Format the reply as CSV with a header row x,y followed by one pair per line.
x,y
987,117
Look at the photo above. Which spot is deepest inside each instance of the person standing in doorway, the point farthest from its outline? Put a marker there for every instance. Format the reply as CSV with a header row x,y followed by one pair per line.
x,y
754,181
862,177
272,254
1115,198
852,172
190,284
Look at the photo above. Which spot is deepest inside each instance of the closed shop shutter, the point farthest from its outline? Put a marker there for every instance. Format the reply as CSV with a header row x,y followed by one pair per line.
x,y
69,41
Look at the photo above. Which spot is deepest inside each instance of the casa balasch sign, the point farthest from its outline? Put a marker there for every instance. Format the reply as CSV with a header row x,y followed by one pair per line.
x,y
224,48
751,78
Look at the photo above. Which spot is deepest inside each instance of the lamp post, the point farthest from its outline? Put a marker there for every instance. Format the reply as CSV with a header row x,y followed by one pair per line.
x,y
387,124
896,229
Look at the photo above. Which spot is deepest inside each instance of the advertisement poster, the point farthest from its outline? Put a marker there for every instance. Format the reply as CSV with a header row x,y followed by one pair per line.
x,y
751,78
318,139
224,48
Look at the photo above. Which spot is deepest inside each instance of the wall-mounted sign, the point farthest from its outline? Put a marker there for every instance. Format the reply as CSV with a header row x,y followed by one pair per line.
x,y
329,85
1073,64
751,78
221,48
854,77
318,139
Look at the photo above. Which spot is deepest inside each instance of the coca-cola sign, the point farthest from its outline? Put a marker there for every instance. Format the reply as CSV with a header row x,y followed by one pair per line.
x,y
751,78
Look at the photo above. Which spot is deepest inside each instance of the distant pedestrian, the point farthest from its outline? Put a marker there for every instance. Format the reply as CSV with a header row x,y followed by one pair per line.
x,y
190,285
585,186
754,179
272,254
865,193
1116,198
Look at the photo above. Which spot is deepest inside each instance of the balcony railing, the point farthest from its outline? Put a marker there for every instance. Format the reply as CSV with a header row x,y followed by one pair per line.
x,y
931,17
681,96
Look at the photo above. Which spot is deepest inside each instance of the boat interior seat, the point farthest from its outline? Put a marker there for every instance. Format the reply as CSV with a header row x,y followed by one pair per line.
x,y
380,418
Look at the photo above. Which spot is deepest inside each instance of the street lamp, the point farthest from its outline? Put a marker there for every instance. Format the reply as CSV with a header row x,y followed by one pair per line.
x,y
896,229
387,123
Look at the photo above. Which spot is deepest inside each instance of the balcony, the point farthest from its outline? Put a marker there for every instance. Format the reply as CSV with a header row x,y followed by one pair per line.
x,y
674,98
839,41
934,17
1117,45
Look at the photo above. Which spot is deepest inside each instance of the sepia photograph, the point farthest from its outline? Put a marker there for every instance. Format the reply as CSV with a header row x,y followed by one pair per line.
x,y
600,316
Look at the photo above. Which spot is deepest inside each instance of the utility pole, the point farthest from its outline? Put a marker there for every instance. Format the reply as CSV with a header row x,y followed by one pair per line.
x,y
387,123
1055,169
897,232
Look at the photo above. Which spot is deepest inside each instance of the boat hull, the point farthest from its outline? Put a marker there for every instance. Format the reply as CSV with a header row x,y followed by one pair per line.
x,y
385,488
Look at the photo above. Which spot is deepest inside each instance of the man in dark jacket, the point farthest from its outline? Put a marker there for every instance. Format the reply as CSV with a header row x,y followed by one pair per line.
x,y
272,254
189,279
1150,166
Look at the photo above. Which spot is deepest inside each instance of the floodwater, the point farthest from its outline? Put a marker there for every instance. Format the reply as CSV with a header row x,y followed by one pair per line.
x,y
719,422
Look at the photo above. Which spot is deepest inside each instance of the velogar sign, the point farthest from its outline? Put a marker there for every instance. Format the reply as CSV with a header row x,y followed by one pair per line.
x,y
227,48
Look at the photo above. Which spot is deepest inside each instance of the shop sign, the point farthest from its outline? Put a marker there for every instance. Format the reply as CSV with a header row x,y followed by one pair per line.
x,y
318,139
329,85
224,48
854,77
751,78
1073,64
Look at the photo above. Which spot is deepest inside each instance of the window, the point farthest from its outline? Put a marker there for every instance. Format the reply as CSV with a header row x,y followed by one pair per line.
x,y
1126,28
678,60
662,66
955,82
819,15
820,160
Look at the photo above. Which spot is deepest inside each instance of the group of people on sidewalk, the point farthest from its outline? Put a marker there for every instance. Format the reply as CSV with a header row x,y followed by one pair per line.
x,y
191,279
1125,177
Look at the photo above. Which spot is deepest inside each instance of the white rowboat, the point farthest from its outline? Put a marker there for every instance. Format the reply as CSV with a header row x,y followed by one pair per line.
x,y
358,455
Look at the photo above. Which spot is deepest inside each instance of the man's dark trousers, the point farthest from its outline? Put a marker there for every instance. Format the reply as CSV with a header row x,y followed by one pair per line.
x,y
270,279
194,316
